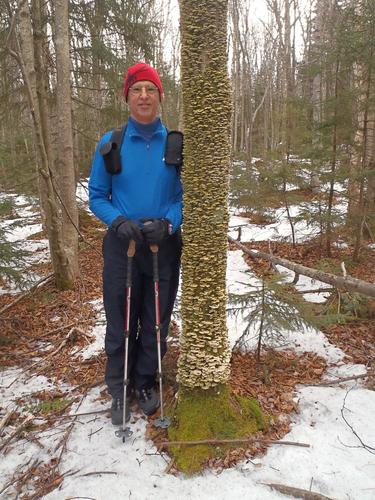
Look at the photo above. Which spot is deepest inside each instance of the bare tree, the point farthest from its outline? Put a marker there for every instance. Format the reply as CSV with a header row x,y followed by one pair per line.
x,y
31,60
64,157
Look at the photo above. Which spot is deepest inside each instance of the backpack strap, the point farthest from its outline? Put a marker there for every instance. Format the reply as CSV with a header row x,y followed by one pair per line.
x,y
111,150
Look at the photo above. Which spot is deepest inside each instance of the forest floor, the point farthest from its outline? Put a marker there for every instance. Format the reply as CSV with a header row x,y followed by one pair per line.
x,y
355,333
51,365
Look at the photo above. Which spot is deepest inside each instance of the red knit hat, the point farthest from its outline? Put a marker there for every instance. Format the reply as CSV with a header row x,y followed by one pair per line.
x,y
138,72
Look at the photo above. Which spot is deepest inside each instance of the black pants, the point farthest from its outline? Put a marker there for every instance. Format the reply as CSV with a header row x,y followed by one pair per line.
x,y
142,361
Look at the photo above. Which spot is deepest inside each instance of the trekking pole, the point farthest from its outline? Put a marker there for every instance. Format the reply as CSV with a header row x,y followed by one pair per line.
x,y
162,422
126,431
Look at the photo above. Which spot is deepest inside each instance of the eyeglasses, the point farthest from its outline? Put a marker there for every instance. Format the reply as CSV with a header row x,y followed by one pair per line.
x,y
149,89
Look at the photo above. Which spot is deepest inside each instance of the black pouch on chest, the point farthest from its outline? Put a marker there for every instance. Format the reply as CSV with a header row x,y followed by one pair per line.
x,y
173,148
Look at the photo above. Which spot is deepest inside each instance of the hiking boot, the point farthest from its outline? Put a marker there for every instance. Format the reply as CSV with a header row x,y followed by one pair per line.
x,y
148,400
117,410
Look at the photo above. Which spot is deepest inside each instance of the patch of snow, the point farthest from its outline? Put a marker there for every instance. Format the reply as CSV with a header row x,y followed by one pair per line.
x,y
279,230
312,340
16,383
334,464
22,232
97,333
342,370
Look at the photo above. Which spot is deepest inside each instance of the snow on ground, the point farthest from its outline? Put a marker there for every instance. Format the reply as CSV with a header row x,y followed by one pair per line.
x,y
279,230
82,194
306,283
99,466
98,333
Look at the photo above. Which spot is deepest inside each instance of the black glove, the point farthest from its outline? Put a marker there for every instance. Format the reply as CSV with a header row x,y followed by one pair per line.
x,y
156,230
127,229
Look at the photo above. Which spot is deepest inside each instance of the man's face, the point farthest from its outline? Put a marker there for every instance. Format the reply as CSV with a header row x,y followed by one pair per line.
x,y
143,101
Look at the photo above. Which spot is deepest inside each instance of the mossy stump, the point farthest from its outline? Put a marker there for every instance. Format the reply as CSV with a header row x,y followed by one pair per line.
x,y
212,414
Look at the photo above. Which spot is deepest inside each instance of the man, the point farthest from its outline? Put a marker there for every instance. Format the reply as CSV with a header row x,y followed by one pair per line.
x,y
142,203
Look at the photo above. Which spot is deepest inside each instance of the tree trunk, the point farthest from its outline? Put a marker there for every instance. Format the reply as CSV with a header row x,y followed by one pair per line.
x,y
34,87
204,356
64,160
206,409
329,227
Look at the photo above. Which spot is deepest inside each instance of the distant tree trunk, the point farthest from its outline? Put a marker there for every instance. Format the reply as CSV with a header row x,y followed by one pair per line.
x,y
236,77
333,167
364,158
65,160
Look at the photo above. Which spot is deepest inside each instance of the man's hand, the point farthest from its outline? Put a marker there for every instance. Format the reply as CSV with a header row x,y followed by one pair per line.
x,y
155,230
127,229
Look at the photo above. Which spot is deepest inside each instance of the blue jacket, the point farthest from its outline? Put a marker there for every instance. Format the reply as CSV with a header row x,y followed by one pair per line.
x,y
146,187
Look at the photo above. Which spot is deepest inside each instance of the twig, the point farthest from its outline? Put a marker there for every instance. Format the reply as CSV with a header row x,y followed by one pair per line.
x,y
56,330
46,279
63,343
316,290
63,441
297,492
16,431
19,478
74,415
98,430
339,380
170,465
35,440
215,442
6,419
271,264
370,449
94,473
49,355
85,498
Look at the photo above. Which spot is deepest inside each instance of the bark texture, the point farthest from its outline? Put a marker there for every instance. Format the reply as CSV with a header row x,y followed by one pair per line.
x,y
204,354
65,159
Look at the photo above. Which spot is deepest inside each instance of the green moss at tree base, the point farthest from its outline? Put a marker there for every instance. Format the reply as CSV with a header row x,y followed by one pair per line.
x,y
211,414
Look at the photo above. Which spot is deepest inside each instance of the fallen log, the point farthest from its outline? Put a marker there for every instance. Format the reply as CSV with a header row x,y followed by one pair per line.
x,y
346,283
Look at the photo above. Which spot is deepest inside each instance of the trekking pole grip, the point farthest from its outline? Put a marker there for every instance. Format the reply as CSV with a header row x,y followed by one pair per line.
x,y
130,254
155,249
